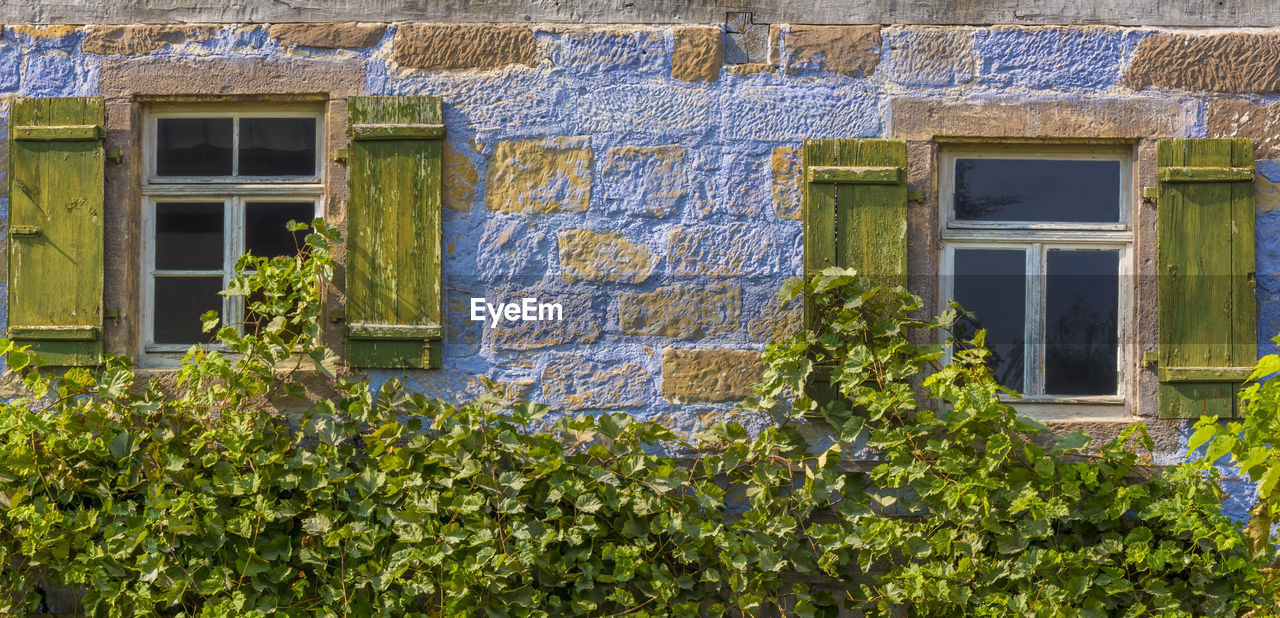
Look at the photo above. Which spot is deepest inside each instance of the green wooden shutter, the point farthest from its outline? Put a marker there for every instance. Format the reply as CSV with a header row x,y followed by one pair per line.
x,y
855,216
855,208
393,227
55,228
1205,243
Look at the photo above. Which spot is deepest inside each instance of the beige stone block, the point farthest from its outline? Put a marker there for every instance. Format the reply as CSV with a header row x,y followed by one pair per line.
x,y
922,119
140,40
787,167
1228,62
540,176
706,376
587,255
698,54
847,50
154,75
1261,123
460,178
344,35
681,311
463,46
573,383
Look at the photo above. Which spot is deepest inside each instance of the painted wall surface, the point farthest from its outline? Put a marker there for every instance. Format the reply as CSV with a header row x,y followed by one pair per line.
x,y
647,177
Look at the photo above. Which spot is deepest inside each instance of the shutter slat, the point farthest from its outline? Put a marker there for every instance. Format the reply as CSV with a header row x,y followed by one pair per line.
x,y
56,228
887,175
393,269
1205,257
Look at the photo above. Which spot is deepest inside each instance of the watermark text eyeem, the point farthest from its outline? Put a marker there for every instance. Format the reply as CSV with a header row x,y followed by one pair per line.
x,y
527,310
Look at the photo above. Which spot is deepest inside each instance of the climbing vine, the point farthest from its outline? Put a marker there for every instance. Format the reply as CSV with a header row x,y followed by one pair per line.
x,y
263,480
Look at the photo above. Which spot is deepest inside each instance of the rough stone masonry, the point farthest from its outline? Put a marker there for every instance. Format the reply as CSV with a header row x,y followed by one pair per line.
x,y
647,177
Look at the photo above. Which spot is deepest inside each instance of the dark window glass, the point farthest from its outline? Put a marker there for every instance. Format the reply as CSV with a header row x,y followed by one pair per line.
x,y
1081,309
277,146
193,147
991,284
265,231
179,303
189,236
1037,190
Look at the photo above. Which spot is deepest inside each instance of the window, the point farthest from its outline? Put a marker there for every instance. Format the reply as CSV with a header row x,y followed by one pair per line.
x,y
219,181
1037,245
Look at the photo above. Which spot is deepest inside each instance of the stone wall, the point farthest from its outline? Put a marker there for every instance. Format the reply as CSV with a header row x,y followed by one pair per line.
x,y
646,177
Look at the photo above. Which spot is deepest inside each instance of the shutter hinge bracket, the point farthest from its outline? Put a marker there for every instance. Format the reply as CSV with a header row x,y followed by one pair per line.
x,y
111,313
1150,359
115,155
916,195
1150,194
24,230
337,315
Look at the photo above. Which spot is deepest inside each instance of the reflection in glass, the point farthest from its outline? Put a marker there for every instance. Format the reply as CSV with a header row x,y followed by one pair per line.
x,y
277,146
1037,190
265,231
991,284
1081,311
189,236
179,302
193,146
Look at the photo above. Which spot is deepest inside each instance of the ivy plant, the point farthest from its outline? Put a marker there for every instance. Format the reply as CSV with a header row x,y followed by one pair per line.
x,y
262,480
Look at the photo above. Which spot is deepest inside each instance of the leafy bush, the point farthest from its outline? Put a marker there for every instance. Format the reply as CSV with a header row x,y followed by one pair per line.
x,y
205,497
1249,444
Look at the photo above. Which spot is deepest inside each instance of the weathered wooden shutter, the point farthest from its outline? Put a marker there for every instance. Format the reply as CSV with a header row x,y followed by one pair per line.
x,y
55,228
855,216
855,208
393,256
1205,244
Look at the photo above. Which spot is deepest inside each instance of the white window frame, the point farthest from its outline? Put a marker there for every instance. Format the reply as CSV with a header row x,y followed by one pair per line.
x,y
1036,239
233,191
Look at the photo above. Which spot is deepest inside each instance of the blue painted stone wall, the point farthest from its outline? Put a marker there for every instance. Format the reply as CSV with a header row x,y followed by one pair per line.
x,y
664,213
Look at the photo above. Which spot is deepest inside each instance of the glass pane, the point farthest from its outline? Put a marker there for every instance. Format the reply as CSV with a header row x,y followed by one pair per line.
x,y
991,284
179,303
1037,190
193,147
189,236
1082,299
277,146
265,232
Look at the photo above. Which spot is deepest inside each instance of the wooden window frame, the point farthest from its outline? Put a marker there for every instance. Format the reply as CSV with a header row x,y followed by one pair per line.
x,y
1036,238
233,191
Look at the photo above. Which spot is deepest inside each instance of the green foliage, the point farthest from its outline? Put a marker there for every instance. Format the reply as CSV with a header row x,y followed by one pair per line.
x,y
260,480
1249,444
973,510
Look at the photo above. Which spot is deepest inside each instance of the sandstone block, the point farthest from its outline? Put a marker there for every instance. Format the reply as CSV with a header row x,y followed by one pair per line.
x,y
140,40
1228,118
846,50
344,35
1053,57
734,250
681,311
580,321
923,118
587,255
929,57
774,321
540,176
460,178
698,54
706,376
644,180
1235,62
463,46
787,188
571,382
